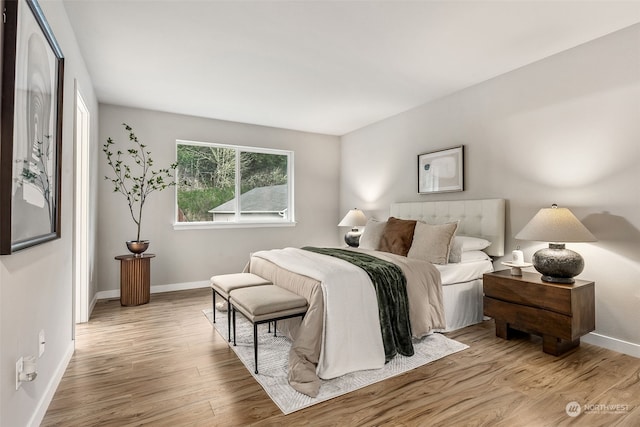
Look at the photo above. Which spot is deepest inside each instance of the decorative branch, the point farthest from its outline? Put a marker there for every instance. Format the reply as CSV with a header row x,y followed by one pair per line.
x,y
35,171
134,177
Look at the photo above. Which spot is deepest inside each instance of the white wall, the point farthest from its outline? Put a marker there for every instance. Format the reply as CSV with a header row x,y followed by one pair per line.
x,y
195,255
563,130
36,283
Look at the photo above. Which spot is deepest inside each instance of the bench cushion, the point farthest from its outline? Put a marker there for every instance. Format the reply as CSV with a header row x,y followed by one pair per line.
x,y
225,283
261,302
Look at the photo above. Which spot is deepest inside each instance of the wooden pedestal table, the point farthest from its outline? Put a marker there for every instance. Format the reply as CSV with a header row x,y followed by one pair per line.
x,y
135,279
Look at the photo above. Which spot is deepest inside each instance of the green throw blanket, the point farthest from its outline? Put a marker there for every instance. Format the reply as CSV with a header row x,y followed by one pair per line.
x,y
391,290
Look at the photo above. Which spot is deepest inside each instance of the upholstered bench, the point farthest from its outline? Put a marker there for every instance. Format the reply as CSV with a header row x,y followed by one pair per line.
x,y
263,304
223,284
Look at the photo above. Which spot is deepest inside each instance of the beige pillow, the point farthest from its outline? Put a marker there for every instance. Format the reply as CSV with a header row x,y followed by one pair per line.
x,y
397,236
372,234
432,242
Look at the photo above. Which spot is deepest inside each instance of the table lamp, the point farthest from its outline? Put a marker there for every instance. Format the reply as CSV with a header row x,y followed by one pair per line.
x,y
556,263
354,218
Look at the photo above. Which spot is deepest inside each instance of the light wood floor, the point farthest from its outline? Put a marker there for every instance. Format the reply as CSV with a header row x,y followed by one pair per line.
x,y
163,364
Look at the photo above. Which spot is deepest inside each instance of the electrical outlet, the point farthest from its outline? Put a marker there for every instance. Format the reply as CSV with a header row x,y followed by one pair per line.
x,y
19,368
41,342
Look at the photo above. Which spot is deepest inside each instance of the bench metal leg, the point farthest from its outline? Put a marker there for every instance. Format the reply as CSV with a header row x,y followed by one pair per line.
x,y
229,322
214,305
255,345
230,307
228,313
255,331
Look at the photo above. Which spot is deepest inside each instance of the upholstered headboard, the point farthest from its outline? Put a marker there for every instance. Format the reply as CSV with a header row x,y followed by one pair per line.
x,y
478,218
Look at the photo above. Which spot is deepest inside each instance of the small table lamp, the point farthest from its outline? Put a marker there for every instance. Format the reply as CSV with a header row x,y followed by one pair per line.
x,y
554,224
354,218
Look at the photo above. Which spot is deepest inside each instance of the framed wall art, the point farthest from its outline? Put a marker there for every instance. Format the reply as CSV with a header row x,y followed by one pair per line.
x,y
31,121
441,171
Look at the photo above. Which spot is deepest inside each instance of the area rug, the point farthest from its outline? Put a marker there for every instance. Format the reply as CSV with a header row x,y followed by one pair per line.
x,y
273,363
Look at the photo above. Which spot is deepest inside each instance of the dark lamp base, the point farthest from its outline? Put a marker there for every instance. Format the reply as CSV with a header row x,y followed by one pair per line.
x,y
568,280
352,238
557,264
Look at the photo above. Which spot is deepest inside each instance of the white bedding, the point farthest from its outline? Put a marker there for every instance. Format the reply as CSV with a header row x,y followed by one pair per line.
x,y
462,304
341,331
464,271
462,292
346,331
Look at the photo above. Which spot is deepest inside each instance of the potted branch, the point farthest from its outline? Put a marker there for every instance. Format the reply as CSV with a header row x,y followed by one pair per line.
x,y
135,179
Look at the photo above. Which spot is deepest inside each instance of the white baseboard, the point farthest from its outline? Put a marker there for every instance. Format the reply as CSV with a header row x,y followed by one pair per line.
x,y
612,344
43,405
180,286
115,293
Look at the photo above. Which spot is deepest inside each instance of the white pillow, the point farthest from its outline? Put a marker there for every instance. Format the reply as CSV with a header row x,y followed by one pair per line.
x,y
370,238
473,243
432,242
463,244
471,256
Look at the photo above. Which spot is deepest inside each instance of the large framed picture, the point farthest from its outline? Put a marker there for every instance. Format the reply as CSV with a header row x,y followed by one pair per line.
x,y
31,144
441,171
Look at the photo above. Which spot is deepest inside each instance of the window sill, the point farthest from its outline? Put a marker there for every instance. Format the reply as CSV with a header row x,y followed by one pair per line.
x,y
225,225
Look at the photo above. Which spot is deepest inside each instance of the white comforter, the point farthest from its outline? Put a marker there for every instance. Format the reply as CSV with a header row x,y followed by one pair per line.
x,y
351,320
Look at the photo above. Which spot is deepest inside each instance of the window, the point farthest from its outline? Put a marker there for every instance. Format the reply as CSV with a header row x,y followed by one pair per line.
x,y
231,185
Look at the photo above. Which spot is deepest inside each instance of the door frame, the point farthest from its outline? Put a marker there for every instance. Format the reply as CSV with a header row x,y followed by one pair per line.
x,y
82,137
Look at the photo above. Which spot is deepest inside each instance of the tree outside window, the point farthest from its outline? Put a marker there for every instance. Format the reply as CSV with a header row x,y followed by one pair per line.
x,y
232,184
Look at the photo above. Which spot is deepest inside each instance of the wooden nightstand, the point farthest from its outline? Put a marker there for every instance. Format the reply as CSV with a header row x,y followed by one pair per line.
x,y
560,313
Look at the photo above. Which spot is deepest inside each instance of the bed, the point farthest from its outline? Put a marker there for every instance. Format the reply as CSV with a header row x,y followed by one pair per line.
x,y
462,282
341,331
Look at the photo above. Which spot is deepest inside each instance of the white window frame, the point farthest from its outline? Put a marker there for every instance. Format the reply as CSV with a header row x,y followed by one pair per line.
x,y
238,222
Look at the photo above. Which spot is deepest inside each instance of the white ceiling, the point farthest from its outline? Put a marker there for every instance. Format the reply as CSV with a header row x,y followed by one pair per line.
x,y
320,66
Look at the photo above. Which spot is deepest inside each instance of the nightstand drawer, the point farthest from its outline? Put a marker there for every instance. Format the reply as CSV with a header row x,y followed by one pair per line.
x,y
530,319
526,290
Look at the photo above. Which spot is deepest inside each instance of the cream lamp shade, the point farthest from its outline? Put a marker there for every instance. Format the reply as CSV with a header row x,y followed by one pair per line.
x,y
557,226
354,218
